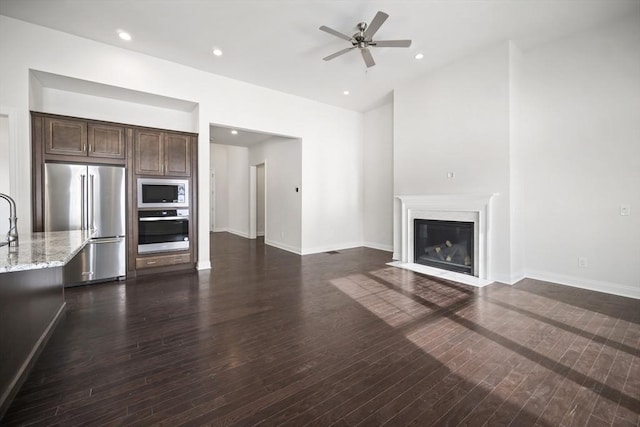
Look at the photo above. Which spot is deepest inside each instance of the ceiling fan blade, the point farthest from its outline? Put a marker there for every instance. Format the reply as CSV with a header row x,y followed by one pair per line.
x,y
375,24
391,43
338,53
368,59
335,33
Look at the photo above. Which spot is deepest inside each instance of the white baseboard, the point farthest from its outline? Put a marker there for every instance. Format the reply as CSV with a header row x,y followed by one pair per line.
x,y
221,230
516,277
238,233
327,248
203,265
510,279
379,246
283,246
592,285
260,233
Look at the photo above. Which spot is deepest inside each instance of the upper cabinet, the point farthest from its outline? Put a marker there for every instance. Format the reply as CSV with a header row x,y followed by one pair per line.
x,y
76,137
66,137
162,153
149,152
177,154
105,141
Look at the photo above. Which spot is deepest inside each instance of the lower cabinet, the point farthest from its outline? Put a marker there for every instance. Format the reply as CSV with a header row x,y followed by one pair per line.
x,y
162,260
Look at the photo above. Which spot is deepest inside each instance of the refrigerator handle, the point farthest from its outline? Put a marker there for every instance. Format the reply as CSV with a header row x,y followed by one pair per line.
x,y
83,203
92,202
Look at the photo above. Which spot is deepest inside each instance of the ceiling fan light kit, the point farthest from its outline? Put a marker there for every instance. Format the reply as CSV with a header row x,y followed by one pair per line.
x,y
363,39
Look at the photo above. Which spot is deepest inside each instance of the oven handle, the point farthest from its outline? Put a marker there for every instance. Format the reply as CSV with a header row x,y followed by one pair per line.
x,y
165,218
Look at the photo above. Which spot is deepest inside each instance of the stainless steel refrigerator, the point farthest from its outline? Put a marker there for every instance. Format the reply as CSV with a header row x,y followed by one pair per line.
x,y
88,197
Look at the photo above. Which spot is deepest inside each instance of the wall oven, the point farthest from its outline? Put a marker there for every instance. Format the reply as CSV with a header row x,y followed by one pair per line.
x,y
163,230
163,193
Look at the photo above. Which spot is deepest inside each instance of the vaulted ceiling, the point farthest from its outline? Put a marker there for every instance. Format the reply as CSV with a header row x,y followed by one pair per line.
x,y
277,44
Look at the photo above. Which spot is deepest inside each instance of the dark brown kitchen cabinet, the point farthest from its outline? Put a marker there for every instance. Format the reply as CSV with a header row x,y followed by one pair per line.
x,y
144,152
65,137
162,260
162,153
149,152
105,141
177,157
69,137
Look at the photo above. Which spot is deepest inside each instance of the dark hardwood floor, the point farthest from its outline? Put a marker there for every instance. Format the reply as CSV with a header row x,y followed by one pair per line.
x,y
270,338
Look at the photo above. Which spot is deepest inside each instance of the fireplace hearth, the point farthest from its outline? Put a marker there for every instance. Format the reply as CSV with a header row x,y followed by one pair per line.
x,y
448,245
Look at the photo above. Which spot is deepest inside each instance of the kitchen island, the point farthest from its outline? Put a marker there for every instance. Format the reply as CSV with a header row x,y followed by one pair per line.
x,y
31,300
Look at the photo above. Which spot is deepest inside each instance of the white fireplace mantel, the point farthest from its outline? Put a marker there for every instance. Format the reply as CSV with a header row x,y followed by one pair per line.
x,y
474,208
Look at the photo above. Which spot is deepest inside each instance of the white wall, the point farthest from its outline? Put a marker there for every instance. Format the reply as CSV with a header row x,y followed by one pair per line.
x,y
283,169
5,177
554,130
332,189
456,119
238,190
67,103
332,137
219,167
378,178
517,167
581,131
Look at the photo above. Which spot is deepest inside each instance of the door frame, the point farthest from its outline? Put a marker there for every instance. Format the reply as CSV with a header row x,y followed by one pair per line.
x,y
212,201
253,201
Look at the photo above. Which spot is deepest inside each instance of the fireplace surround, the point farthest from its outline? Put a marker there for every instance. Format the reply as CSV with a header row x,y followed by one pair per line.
x,y
475,209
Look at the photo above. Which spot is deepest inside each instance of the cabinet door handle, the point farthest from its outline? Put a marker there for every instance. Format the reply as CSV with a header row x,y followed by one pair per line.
x,y
151,262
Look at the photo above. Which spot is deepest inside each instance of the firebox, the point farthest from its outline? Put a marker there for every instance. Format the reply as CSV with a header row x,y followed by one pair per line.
x,y
447,245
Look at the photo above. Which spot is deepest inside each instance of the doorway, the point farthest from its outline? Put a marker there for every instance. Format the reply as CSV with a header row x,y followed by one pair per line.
x,y
261,188
258,200
212,202
257,169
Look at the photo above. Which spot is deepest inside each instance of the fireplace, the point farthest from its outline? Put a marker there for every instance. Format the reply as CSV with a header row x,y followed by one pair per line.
x,y
448,245
457,210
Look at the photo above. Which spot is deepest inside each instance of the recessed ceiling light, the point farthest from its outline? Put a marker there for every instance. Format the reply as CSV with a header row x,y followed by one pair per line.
x,y
346,92
124,35
419,56
217,52
234,132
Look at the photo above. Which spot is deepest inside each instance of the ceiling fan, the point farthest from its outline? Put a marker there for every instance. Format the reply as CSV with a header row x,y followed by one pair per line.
x,y
363,39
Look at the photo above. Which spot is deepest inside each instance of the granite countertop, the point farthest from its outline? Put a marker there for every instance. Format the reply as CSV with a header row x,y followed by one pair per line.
x,y
43,250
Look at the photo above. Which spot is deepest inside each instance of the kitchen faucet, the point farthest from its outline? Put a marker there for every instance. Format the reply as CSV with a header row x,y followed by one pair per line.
x,y
12,235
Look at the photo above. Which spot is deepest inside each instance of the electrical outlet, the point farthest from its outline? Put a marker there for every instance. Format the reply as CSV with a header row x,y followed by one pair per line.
x,y
583,262
625,210
451,175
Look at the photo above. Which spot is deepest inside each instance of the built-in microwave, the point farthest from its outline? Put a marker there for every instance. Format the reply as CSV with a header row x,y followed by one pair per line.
x,y
163,193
